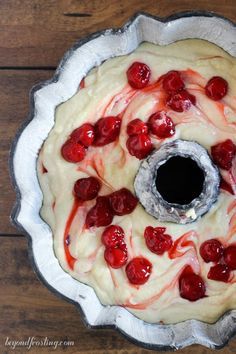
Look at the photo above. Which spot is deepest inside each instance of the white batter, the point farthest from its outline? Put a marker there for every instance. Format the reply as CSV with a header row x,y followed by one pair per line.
x,y
106,92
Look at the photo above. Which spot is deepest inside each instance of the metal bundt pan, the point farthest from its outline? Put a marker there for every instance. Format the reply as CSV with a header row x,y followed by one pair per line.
x,y
76,63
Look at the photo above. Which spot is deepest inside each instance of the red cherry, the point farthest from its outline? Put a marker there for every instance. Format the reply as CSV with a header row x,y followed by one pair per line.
x,y
219,272
216,88
223,154
138,270
87,188
181,101
113,236
230,257
156,240
101,214
84,134
123,202
138,75
137,126
186,271
106,130
139,146
115,256
161,125
172,82
211,250
191,287
73,151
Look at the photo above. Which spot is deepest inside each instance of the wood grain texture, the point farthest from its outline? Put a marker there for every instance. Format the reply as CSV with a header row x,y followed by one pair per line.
x,y
29,309
37,33
14,108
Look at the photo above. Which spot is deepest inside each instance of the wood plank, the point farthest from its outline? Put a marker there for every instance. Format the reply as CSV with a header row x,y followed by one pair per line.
x,y
37,33
29,309
14,107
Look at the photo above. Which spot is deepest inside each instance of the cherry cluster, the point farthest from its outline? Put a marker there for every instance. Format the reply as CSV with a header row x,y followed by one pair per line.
x,y
224,259
138,269
122,202
192,286
178,99
115,254
139,143
159,124
104,132
223,154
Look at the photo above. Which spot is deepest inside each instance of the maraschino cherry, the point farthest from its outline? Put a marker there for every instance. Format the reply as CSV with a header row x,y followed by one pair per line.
x,y
138,75
101,214
211,250
216,88
230,257
87,188
161,125
138,270
106,130
72,151
115,252
84,134
123,202
136,127
223,154
172,82
156,240
116,257
181,101
113,236
139,146
191,286
219,272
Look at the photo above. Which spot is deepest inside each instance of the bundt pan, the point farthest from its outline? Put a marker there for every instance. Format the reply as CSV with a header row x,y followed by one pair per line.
x,y
76,63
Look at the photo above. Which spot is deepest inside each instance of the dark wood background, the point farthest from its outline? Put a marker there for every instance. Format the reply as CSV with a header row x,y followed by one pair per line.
x,y
34,34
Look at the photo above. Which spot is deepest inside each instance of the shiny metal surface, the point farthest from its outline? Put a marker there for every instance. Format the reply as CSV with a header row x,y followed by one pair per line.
x,y
152,201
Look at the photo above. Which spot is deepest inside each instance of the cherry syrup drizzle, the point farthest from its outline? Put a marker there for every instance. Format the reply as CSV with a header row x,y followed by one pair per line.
x,y
139,144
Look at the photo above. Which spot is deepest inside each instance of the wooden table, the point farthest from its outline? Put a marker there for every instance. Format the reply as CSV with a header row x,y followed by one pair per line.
x,y
34,36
